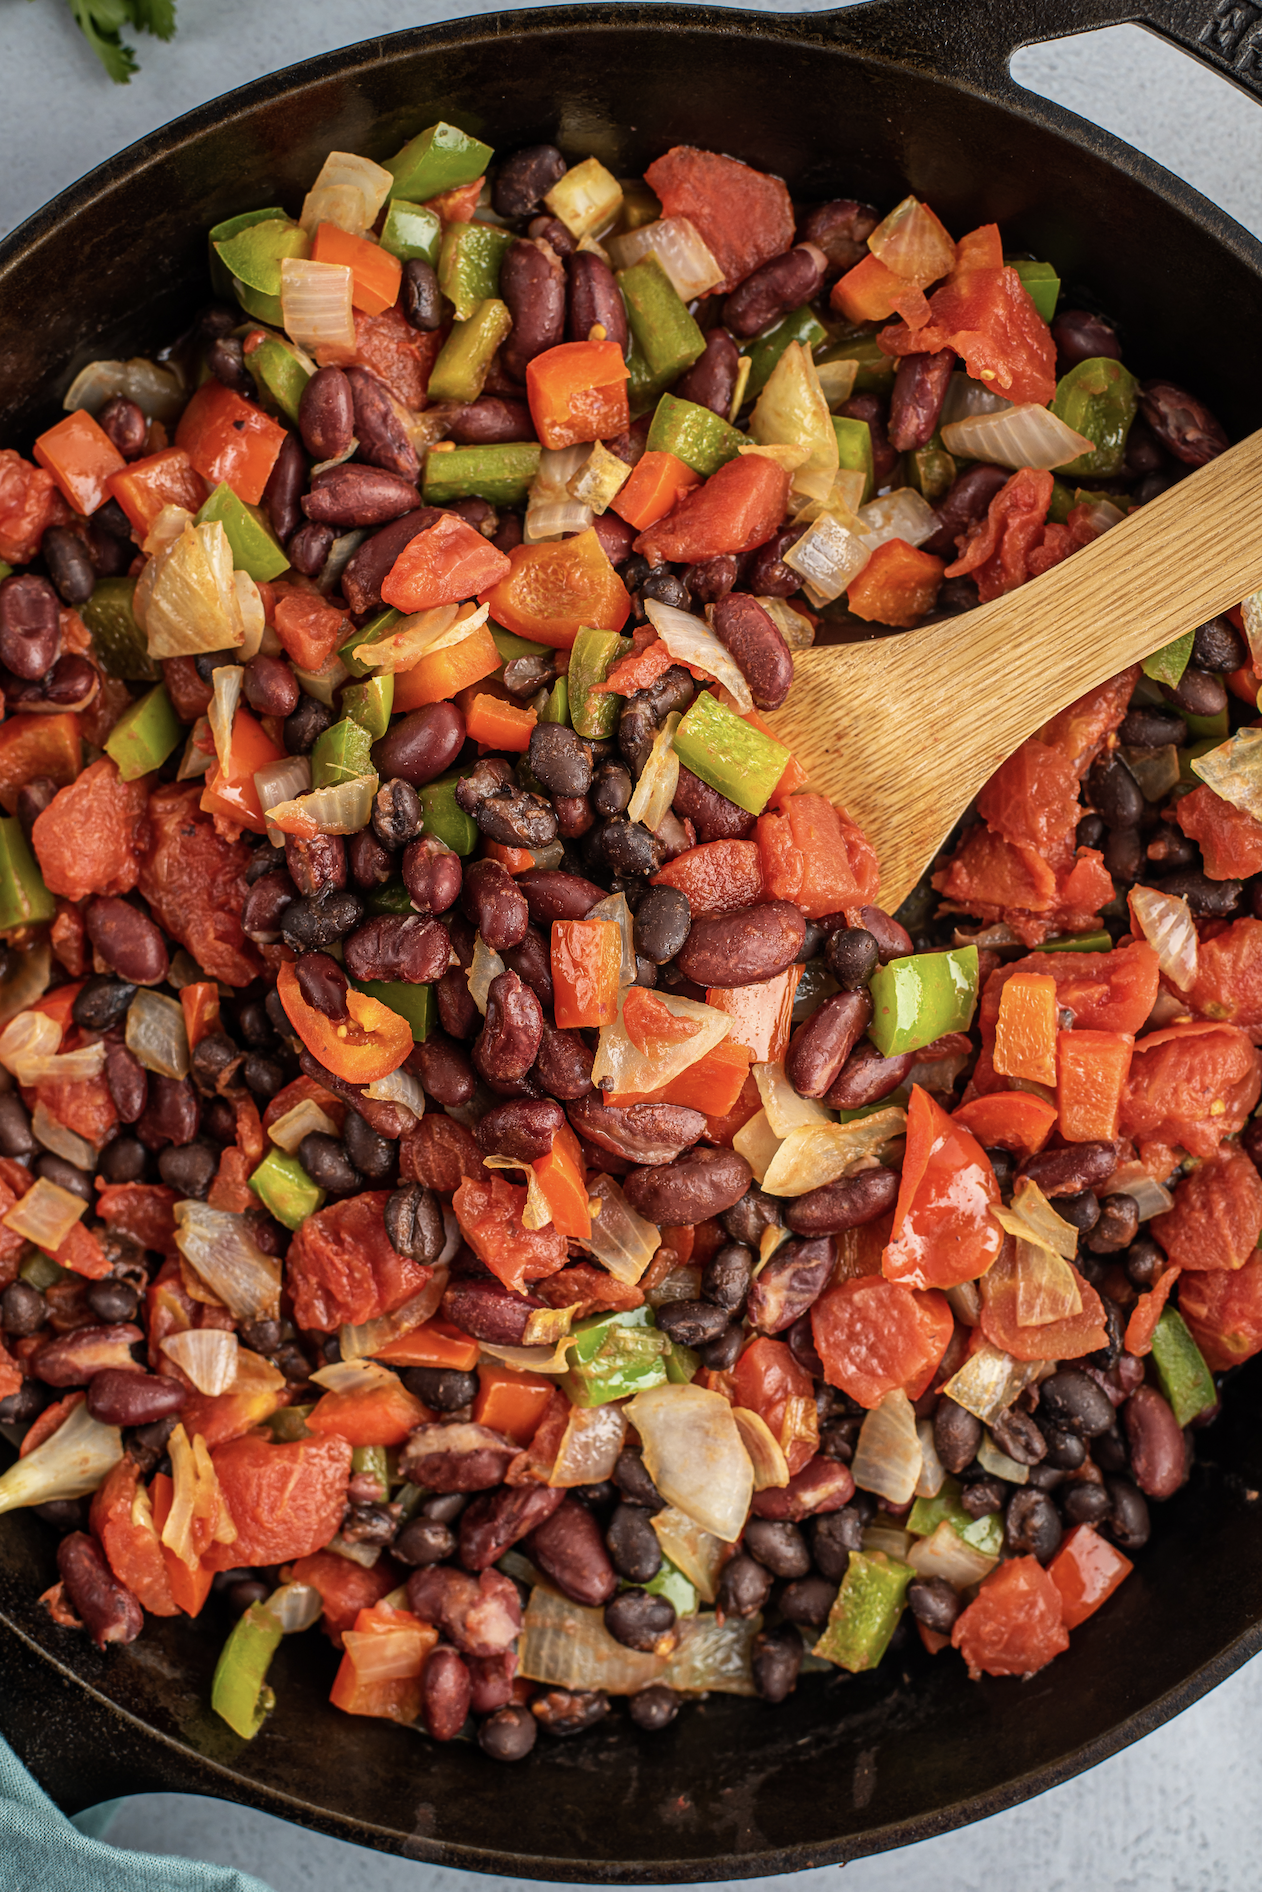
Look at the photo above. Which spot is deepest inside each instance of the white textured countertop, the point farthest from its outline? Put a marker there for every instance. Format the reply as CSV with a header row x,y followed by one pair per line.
x,y
1178,1812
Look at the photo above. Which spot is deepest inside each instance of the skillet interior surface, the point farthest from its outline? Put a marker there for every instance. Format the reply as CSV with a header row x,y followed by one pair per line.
x,y
848,1765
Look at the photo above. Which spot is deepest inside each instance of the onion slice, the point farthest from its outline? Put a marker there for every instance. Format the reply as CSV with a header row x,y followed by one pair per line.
x,y
659,778
206,1355
315,300
1166,922
771,1468
487,965
990,1380
220,1250
70,1462
691,641
825,1152
45,1215
305,1119
888,1459
680,249
156,1034
1019,436
785,1110
342,809
622,1241
295,1606
589,1446
694,1455
945,1554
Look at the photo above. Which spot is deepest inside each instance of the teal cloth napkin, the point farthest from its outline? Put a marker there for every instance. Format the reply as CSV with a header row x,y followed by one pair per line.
x,y
42,1851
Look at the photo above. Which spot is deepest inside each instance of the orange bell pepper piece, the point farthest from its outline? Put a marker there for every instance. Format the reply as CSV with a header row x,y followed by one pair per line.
x,y
375,274
898,585
446,564
979,249
230,789
81,457
228,438
1091,1072
384,1415
812,853
717,876
370,1043
658,482
761,1014
551,592
161,479
510,1402
586,963
200,1004
35,745
1025,1031
499,725
393,1697
871,291
1008,1120
436,678
517,860
578,391
309,627
563,1179
435,1343
714,1083
736,509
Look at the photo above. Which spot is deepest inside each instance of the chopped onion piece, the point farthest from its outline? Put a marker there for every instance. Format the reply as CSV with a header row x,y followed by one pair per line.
x,y
422,635
659,778
1234,770
945,1554
912,243
680,249
282,781
156,1034
932,1471
797,631
836,380
791,410
771,1468
487,965
28,1041
323,684
55,1136
825,1152
566,1646
713,1655
253,617
691,641
162,535
1167,924
697,1552
966,398
532,1359
999,1465
900,515
71,1462
1032,1218
342,809
536,1213
295,1606
315,300
827,557
614,907
599,479
28,981
207,1355
398,1087
990,1380
365,1555
1132,1179
620,1066
1046,1287
1251,617
46,1214
694,1455
1019,436
254,1374
354,1376
157,388
589,1446
1156,770
555,518
550,508
887,1458
220,1250
885,1535
196,1499
229,679
344,178
622,1241
359,1343
305,1119
785,1109
396,1654
199,752
546,1325
190,602
758,1143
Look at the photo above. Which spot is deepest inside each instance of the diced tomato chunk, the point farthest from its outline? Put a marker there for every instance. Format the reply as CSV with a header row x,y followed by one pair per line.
x,y
737,508
769,1381
1223,1311
1191,1084
1086,1570
342,1268
1230,838
1217,1215
90,837
875,1335
285,1500
1016,1625
744,217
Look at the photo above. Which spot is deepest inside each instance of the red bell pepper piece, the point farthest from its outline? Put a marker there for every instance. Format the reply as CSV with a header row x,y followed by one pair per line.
x,y
370,1044
562,1177
943,1230
228,438
657,484
168,478
1026,1028
511,1402
1091,1072
586,964
437,678
230,789
435,1343
898,585
1008,1120
394,1697
578,391
81,457
383,1415
737,508
446,564
875,1336
988,317
549,593
714,1084
375,273
871,291
1086,1570
189,1585
761,1014
812,853
200,1004
1016,1624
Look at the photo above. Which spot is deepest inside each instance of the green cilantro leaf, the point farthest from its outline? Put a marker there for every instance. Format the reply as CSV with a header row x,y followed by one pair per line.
x,y
101,23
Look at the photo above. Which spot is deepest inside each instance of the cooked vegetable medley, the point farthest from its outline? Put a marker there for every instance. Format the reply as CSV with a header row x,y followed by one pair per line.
x,y
480,1172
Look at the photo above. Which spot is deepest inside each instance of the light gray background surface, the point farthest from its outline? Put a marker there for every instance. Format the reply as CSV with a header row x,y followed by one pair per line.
x,y
1179,1812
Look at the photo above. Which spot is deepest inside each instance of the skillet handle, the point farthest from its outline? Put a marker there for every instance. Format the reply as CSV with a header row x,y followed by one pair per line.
x,y
973,40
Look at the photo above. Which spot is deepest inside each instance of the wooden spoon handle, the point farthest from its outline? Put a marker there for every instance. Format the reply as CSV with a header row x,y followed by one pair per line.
x,y
904,731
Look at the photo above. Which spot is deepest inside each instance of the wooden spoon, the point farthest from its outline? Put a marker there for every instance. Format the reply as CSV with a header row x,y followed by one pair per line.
x,y
905,730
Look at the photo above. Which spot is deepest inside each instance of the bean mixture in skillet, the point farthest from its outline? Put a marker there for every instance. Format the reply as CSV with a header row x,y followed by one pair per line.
x,y
479,1169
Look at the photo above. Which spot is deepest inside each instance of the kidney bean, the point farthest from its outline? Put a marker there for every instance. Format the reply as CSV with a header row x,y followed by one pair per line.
x,y
776,287
22,1309
848,1203
375,558
711,380
574,816
71,683
509,1733
371,865
714,817
271,687
171,1114
491,421
444,1069
1066,1172
642,1133
446,1689
742,947
874,410
699,1184
495,904
709,582
563,1067
128,1083
552,894
127,940
1156,1443
1081,336
509,1041
120,1396
309,548
106,1608
355,495
762,656
125,424
841,228
69,565
326,414
920,387
767,575
398,946
568,1547
792,1281
1184,426
481,1616
965,505
264,908
422,745
283,492
495,1522
383,439
823,1042
524,1128
318,865
532,284
455,1457
72,1358
29,625
594,300
457,1013
525,178
487,1311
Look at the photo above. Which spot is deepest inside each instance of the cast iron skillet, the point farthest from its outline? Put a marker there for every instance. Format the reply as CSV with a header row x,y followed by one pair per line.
x,y
868,102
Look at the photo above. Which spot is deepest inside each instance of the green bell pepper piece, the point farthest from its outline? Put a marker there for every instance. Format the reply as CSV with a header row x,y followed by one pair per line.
x,y
118,643
284,1188
557,707
442,815
465,360
876,369
668,338
414,1002
509,645
40,1271
1203,728
1098,399
702,440
501,475
220,275
239,1693
369,704
931,470
341,754
1182,1374
6,570
469,264
1042,283
764,351
411,231
984,1534
1168,664
616,1355
372,632
392,898
144,735
278,371
592,658
253,256
24,899
866,1611
854,451
671,1583
682,1364
290,1424
439,159
730,754
371,1461
927,1513
918,999
255,547
1098,942
643,385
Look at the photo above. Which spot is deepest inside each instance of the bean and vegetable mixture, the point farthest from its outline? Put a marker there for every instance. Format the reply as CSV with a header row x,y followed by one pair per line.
x,y
480,1171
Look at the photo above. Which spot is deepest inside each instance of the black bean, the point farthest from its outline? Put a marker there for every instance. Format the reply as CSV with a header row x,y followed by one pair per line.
x,y
309,720
263,1076
1090,831
126,426
525,178
1128,1523
776,1660
780,1547
1017,1435
1071,1400
662,920
560,759
284,488
19,1408
375,1157
639,1620
1217,645
747,1220
633,1481
808,1602
1109,1450
1065,1450
1208,899
984,1497
1086,1504
933,1602
744,1585
122,1160
852,956
1032,1524
1145,727
1081,1211
422,300
632,1543
1081,336
1123,853
55,1169
564,1711
611,789
1115,794
1199,692
957,1433
444,1388
692,1323
1117,1227
328,1165
1144,1262
189,1170
424,1541
726,1277
310,924
722,1354
508,1734
414,1223
22,1309
101,1003
653,1707
629,849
